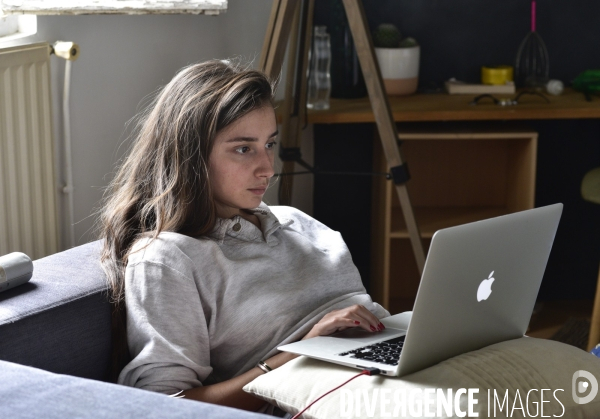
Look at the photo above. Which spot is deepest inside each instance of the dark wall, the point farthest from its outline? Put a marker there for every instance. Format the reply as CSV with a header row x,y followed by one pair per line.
x,y
566,151
344,202
458,37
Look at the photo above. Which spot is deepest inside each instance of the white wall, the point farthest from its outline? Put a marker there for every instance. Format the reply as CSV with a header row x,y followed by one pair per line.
x,y
125,58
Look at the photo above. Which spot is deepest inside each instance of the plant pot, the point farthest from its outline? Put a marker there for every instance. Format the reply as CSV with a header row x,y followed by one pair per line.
x,y
399,69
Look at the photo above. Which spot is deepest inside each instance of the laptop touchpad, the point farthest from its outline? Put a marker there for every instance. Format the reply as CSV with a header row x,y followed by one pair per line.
x,y
361,335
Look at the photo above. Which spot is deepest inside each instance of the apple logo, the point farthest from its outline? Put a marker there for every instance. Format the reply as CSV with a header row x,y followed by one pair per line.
x,y
485,288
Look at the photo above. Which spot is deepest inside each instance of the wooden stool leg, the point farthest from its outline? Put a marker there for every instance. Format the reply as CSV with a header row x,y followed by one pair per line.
x,y
300,14
287,109
276,37
296,92
383,116
594,338
272,57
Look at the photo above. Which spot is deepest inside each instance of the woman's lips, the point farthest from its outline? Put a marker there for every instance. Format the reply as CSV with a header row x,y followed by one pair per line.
x,y
258,191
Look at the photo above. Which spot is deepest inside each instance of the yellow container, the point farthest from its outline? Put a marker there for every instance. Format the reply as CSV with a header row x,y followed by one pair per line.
x,y
496,75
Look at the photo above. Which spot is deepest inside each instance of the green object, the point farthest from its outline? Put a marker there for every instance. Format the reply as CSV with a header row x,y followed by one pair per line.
x,y
408,43
590,186
588,81
387,35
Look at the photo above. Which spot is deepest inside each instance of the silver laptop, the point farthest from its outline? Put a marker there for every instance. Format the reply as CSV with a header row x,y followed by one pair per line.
x,y
479,286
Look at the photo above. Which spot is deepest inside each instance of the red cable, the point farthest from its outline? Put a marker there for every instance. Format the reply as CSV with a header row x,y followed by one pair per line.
x,y
363,372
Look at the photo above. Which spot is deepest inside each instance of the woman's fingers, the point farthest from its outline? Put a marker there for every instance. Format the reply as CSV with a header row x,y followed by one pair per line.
x,y
367,319
359,320
357,316
336,324
338,320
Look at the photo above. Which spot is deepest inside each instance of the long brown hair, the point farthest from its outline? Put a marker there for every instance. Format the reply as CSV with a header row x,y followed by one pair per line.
x,y
163,183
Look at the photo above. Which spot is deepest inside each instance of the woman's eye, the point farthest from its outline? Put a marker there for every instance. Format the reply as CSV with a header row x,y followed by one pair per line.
x,y
272,144
242,150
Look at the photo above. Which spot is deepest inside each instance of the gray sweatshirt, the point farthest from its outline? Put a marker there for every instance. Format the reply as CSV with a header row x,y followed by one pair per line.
x,y
204,310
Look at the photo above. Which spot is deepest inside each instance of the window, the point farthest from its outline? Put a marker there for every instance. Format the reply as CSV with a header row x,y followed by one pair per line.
x,y
8,25
17,26
57,7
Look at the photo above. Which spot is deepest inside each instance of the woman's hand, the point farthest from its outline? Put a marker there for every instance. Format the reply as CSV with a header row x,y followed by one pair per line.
x,y
338,320
230,392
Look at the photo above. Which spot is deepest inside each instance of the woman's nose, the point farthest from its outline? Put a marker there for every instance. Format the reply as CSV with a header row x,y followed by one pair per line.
x,y
265,165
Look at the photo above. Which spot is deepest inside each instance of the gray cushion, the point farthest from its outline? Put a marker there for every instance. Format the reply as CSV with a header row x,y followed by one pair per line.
x,y
60,320
31,393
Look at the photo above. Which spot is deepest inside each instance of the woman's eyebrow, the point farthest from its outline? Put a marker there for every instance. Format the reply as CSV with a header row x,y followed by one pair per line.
x,y
242,140
248,139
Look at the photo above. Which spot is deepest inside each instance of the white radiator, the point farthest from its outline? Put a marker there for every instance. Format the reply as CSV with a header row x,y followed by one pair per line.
x,y
28,215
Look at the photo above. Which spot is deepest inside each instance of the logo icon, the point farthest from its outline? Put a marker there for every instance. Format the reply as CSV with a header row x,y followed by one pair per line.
x,y
580,387
485,288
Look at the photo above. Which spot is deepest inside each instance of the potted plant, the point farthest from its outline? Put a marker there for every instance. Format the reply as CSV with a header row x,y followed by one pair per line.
x,y
398,59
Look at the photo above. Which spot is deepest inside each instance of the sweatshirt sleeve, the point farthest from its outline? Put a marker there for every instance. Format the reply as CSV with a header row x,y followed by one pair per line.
x,y
167,331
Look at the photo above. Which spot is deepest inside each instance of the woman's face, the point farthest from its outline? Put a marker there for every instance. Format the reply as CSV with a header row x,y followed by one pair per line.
x,y
241,162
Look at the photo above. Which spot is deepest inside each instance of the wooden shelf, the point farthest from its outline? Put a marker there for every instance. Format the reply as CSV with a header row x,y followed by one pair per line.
x,y
433,219
458,176
445,107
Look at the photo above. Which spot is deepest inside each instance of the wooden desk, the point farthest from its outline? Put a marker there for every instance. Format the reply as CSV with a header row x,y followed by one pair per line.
x,y
460,176
444,107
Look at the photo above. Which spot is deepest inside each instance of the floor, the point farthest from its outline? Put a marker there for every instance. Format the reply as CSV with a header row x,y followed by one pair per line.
x,y
548,317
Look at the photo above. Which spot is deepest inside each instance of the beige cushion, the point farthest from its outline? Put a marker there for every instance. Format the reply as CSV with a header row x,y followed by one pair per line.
x,y
517,365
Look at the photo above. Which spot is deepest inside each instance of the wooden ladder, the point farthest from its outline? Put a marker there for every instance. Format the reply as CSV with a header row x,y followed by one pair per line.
x,y
296,17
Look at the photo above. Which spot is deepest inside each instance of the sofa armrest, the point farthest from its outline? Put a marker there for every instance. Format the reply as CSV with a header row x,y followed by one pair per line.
x,y
60,320
31,393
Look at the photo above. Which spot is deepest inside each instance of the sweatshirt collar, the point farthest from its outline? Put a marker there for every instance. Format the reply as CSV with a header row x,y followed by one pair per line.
x,y
242,229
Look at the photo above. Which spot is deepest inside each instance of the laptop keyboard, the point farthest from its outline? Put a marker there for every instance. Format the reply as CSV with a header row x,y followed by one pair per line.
x,y
386,352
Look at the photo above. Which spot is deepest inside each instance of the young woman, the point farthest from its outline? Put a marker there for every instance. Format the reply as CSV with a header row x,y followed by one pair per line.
x,y
213,280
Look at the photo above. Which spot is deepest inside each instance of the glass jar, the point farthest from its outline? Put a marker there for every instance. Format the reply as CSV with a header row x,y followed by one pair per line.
x,y
319,78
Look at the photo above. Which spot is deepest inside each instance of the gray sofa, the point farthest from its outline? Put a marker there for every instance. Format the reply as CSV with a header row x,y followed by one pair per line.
x,y
55,347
